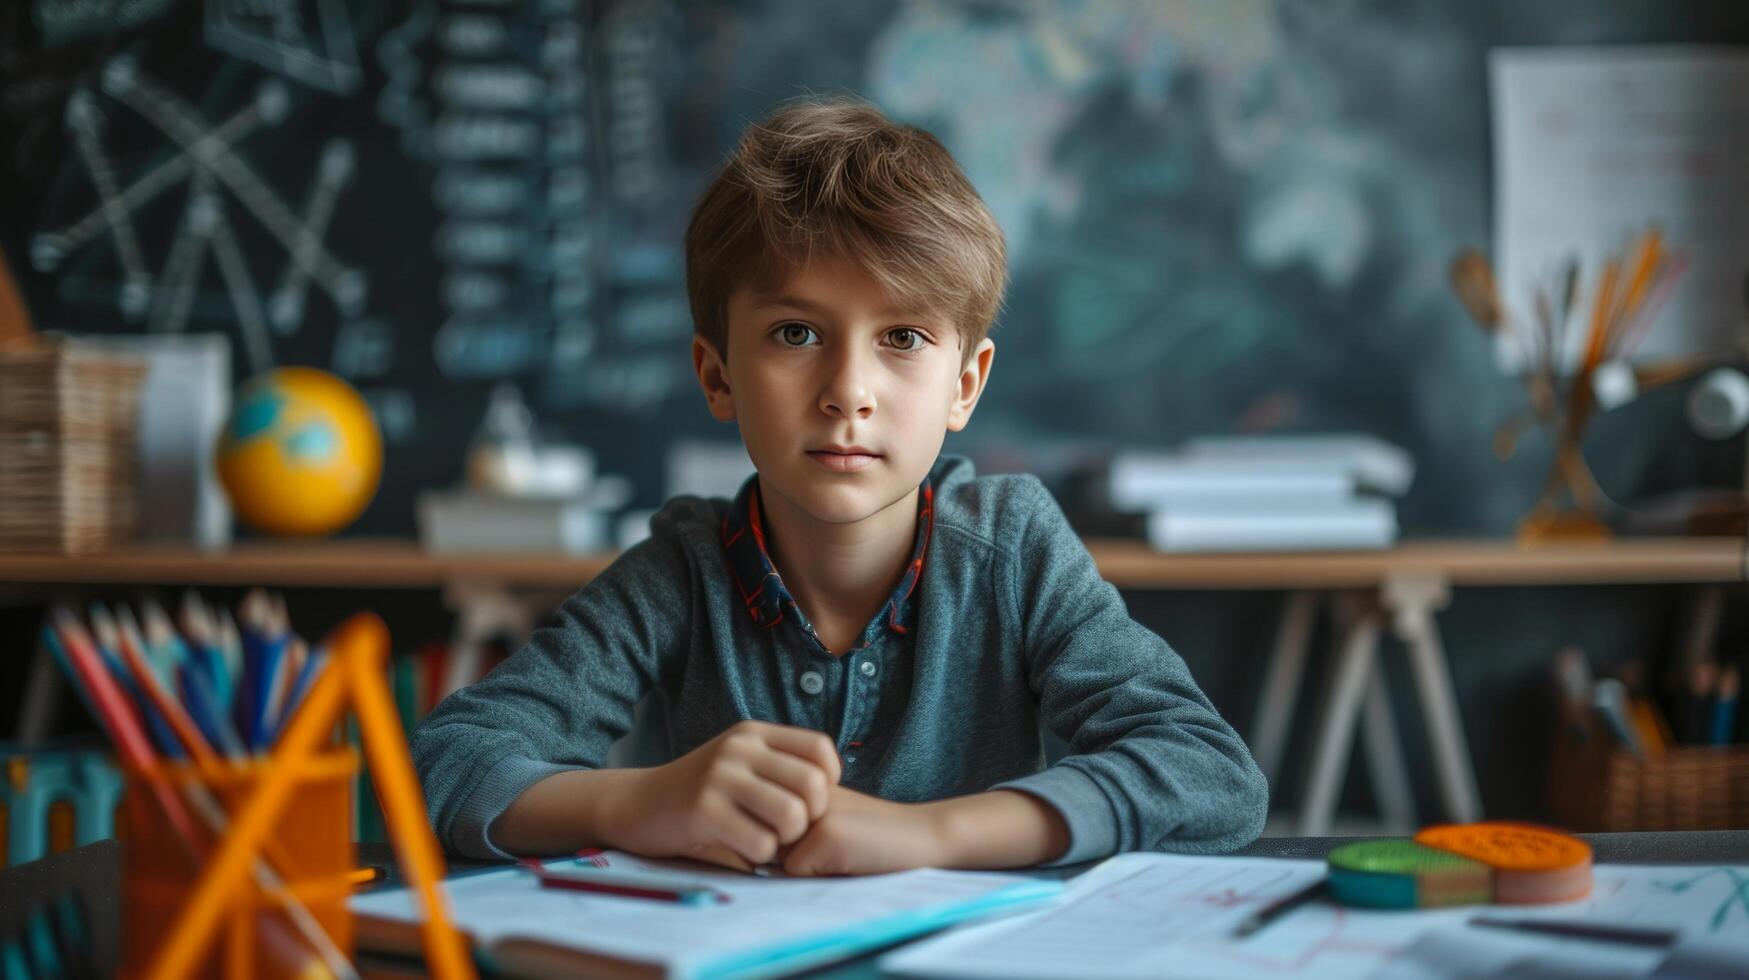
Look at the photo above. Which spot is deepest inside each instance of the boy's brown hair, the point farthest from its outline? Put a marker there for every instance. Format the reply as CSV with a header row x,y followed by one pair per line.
x,y
836,179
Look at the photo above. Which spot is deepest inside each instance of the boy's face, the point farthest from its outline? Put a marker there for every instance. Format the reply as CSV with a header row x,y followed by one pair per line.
x,y
843,396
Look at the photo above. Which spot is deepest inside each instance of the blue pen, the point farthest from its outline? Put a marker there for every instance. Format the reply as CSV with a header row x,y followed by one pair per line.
x,y
250,615
266,680
292,658
229,643
202,705
264,640
201,633
212,664
313,665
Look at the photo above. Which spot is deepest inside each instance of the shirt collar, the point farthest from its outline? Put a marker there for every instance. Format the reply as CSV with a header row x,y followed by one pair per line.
x,y
762,590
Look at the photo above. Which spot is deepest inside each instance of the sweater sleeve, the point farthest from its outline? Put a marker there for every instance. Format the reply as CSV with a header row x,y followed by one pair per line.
x,y
1153,764
559,702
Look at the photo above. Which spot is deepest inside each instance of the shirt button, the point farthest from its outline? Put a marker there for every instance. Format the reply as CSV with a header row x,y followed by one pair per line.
x,y
867,668
812,683
851,758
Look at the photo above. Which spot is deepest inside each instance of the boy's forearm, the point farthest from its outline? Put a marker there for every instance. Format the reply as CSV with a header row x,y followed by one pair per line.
x,y
564,812
575,809
1002,828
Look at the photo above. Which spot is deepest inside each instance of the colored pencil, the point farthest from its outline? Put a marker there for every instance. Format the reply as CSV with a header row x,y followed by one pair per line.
x,y
123,729
153,691
116,715
623,886
201,631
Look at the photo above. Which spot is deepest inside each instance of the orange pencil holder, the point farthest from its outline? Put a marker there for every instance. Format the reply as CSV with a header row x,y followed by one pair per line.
x,y
310,857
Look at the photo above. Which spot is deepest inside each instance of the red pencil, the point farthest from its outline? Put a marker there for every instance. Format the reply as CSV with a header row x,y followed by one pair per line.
x,y
117,715
604,883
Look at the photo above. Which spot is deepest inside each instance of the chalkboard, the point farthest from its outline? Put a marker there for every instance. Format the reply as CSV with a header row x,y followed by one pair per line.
x,y
1222,216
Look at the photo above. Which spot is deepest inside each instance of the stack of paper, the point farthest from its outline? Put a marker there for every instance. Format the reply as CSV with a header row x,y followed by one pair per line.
x,y
1265,493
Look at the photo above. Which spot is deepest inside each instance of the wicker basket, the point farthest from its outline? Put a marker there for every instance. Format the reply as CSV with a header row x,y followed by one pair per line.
x,y
1596,785
68,467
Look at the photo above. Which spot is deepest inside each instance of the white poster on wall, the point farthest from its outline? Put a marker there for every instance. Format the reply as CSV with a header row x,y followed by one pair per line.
x,y
1593,146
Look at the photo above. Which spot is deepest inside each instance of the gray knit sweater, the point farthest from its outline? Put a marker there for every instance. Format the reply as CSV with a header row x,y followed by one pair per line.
x,y
1001,622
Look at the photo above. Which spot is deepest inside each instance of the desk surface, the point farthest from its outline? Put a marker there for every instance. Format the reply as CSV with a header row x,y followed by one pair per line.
x,y
93,871
366,563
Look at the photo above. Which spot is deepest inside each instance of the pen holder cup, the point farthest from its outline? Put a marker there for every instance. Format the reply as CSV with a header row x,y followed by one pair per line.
x,y
1598,786
309,847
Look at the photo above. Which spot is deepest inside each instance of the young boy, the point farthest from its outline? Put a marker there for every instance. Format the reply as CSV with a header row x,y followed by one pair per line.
x,y
857,652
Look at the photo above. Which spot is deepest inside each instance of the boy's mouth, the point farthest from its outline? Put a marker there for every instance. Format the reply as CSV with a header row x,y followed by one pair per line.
x,y
844,459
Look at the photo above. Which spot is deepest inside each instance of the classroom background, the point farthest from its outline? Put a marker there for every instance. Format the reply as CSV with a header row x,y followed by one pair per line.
x,y
1223,219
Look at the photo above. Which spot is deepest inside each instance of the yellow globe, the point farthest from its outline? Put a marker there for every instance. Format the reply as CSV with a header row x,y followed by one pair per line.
x,y
301,455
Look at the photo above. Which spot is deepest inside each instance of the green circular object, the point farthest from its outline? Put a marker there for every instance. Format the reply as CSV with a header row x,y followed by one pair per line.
x,y
1401,874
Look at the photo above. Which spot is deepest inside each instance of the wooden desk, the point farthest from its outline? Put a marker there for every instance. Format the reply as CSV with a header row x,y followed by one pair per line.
x,y
364,563
93,873
1402,588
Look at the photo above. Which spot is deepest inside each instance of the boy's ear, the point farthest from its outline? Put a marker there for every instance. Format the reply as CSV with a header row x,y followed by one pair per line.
x,y
713,377
972,380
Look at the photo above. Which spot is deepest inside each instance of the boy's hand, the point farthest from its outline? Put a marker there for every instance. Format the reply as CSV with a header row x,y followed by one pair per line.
x,y
862,835
734,800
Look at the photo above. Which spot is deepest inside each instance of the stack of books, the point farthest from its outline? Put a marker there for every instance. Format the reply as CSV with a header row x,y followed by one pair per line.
x,y
468,521
1264,493
68,467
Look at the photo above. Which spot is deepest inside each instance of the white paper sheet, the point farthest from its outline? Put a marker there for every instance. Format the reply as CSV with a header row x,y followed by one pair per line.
x,y
1594,145
1458,953
763,912
1152,915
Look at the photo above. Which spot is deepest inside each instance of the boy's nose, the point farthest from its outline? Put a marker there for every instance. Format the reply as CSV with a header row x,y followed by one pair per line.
x,y
847,393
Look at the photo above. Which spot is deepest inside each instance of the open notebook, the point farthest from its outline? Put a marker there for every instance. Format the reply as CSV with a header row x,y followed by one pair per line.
x,y
768,926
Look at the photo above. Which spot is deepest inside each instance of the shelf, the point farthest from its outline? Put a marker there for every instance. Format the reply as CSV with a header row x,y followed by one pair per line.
x,y
362,563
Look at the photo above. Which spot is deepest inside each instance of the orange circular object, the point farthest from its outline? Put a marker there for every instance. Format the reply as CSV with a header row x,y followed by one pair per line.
x,y
1509,846
1532,865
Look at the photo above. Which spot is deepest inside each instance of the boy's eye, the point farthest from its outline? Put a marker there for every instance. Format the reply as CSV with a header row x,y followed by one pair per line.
x,y
905,338
795,334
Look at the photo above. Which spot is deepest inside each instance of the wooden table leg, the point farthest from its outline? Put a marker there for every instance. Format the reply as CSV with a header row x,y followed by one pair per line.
x,y
1384,756
1281,682
1355,661
1413,599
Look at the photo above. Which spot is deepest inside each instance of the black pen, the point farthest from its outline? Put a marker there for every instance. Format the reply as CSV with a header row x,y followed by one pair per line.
x,y
1276,909
1594,931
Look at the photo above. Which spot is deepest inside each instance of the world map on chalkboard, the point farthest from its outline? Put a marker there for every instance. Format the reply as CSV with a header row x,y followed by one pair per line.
x,y
1221,216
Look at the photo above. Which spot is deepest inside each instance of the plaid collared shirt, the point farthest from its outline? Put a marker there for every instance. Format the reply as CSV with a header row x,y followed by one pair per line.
x,y
769,602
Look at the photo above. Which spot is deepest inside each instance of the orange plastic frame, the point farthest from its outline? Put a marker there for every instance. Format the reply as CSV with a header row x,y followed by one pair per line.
x,y
353,679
